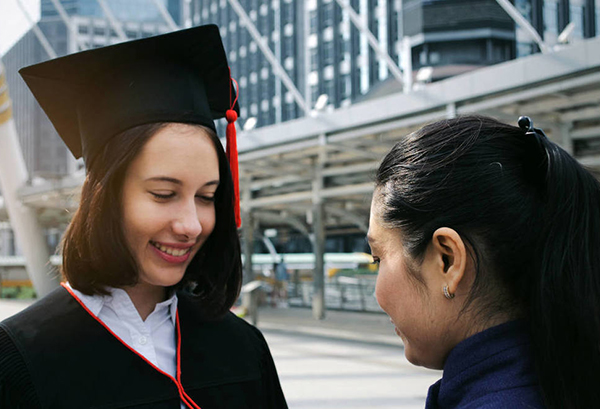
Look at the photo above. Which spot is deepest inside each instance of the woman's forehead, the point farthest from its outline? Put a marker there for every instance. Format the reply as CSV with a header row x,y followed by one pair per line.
x,y
180,149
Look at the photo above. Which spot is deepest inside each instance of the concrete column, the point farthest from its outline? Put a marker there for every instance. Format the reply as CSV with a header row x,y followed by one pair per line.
x,y
565,134
451,110
318,299
318,234
248,233
247,230
13,175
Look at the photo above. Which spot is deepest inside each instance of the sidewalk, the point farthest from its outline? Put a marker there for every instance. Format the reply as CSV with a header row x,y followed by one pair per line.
x,y
365,327
10,307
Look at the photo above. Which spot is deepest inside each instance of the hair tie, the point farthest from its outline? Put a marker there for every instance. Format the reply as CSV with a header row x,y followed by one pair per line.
x,y
526,124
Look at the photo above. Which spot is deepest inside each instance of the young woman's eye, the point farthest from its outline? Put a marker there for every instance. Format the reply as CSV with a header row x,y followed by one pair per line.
x,y
375,260
162,196
210,199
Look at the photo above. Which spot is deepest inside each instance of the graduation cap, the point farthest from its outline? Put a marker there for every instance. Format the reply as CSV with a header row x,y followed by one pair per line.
x,y
92,96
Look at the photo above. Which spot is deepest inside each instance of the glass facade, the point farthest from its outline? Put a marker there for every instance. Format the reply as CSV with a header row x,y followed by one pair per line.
x,y
597,17
577,17
129,10
525,45
551,21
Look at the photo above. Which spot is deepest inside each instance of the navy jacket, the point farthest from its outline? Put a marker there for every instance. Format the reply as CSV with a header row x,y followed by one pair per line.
x,y
490,370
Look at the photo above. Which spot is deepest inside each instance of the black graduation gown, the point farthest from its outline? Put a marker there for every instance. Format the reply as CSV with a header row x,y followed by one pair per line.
x,y
54,354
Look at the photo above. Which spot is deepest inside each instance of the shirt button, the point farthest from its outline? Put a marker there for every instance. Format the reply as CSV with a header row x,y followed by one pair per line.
x,y
143,340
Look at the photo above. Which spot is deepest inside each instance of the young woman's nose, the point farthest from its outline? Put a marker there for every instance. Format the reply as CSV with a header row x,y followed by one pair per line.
x,y
187,221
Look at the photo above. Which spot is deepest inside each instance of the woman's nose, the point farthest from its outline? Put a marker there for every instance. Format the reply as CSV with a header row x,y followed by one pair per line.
x,y
187,222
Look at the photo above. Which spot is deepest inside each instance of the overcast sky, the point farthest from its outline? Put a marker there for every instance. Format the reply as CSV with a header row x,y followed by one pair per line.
x,y
13,22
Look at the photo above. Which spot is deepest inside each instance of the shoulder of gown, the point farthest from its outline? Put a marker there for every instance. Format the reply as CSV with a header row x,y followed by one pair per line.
x,y
16,388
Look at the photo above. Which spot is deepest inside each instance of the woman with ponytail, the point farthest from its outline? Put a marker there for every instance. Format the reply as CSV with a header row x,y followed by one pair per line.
x,y
487,237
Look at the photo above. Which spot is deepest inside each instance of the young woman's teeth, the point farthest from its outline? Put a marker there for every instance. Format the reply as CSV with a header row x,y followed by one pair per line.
x,y
171,251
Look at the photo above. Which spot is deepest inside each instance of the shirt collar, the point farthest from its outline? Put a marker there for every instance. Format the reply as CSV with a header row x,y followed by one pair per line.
x,y
119,301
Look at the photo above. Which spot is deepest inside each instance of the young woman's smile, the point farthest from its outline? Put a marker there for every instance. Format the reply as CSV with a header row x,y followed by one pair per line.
x,y
173,253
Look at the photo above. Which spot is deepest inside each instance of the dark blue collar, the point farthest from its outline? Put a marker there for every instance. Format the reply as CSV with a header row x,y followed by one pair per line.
x,y
494,364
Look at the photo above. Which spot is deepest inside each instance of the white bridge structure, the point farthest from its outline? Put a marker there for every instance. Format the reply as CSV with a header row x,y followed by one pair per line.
x,y
316,172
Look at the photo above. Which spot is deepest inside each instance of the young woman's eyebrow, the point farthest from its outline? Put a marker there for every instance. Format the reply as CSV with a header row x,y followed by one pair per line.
x,y
177,181
164,179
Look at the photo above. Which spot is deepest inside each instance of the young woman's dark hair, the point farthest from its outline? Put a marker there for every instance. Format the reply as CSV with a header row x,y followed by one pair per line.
x,y
94,250
530,215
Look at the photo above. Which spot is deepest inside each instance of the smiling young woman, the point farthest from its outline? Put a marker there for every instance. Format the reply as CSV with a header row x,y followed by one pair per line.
x,y
487,240
152,255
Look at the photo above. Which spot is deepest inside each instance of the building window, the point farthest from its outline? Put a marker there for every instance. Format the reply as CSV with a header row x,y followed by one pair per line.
x,y
577,13
290,111
328,53
330,90
328,15
550,20
288,13
598,18
314,93
313,21
264,73
524,43
264,105
346,86
314,59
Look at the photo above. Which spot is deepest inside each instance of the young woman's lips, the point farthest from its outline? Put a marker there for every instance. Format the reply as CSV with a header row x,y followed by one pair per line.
x,y
175,259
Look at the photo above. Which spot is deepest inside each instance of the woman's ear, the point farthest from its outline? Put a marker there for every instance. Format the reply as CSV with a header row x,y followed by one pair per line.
x,y
450,258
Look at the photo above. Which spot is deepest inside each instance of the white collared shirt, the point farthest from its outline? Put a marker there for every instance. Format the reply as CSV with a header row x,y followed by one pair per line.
x,y
154,338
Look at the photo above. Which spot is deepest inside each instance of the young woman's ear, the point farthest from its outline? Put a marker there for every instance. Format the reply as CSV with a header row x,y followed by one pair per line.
x,y
450,259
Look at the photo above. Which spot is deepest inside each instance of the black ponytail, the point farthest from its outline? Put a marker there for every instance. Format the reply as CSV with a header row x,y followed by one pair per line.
x,y
565,294
531,216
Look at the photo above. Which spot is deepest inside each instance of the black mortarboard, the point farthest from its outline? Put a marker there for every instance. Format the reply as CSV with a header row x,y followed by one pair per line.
x,y
94,95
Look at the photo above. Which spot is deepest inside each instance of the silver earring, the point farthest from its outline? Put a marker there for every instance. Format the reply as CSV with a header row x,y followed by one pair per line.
x,y
447,293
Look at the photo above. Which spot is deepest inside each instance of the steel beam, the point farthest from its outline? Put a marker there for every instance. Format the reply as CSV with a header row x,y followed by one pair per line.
x,y
277,218
67,20
364,30
116,25
524,24
165,14
586,133
38,33
349,217
278,70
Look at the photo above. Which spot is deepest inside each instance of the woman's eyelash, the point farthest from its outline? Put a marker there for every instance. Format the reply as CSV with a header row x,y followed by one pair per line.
x,y
170,195
159,196
375,260
207,198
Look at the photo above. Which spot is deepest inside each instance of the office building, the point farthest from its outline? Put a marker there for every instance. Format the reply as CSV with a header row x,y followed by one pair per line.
x,y
325,54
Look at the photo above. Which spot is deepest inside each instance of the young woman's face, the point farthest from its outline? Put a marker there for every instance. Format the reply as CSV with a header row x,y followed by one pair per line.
x,y
168,202
418,310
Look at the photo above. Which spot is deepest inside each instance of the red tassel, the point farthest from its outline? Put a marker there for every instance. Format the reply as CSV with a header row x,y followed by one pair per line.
x,y
232,156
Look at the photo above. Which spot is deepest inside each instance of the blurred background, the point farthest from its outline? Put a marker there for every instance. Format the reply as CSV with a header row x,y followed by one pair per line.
x,y
326,87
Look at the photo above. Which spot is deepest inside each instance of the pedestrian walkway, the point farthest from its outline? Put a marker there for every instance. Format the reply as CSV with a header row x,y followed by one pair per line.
x,y
367,327
10,307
